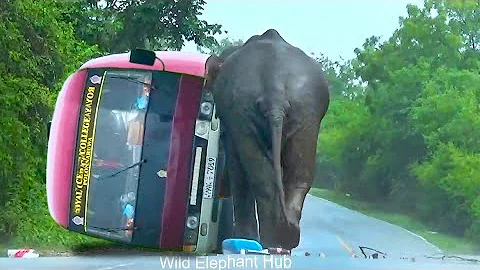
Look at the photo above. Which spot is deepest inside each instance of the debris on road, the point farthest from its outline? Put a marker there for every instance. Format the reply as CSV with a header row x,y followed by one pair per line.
x,y
25,253
279,251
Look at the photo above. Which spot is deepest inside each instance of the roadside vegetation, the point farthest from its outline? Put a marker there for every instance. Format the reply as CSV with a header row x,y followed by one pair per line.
x,y
401,131
402,126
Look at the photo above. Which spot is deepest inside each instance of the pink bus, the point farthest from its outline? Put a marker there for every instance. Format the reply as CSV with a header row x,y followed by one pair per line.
x,y
135,156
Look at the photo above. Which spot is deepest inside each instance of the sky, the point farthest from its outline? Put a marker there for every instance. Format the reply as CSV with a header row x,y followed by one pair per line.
x,y
332,27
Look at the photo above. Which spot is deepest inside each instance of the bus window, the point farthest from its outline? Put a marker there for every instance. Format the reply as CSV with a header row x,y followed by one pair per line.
x,y
112,190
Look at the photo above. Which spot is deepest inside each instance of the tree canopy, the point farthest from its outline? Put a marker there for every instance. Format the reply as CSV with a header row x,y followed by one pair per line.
x,y
120,25
218,47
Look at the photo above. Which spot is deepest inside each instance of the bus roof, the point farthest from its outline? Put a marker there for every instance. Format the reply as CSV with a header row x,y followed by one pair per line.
x,y
175,61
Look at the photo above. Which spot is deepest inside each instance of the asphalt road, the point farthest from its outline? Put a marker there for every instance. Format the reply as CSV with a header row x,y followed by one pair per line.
x,y
334,230
329,233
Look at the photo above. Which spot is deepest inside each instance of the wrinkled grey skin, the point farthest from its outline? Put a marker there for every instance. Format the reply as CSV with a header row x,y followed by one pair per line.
x,y
271,98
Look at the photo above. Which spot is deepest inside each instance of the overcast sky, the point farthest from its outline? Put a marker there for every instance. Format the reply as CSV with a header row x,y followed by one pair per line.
x,y
332,27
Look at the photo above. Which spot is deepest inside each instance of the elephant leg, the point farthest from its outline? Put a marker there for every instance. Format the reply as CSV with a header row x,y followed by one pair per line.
x,y
273,225
298,160
245,225
244,212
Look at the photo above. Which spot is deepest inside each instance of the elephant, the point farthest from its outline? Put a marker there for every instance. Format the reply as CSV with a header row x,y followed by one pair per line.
x,y
270,98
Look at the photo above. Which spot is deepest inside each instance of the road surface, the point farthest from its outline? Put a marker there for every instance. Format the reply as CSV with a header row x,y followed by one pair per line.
x,y
329,233
333,229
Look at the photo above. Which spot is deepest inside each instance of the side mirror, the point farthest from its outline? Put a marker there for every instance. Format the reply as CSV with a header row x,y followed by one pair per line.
x,y
142,57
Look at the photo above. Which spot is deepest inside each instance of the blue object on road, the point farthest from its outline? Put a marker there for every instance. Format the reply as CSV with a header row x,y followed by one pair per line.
x,y
236,245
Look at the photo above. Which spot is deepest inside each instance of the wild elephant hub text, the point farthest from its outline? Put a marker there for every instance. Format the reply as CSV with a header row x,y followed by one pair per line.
x,y
228,262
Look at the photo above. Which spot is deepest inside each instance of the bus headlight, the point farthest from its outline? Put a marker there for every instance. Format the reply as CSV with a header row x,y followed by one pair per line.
x,y
206,108
192,222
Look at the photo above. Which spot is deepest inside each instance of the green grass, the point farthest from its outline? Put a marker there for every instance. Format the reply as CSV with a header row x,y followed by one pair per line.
x,y
69,243
3,250
65,243
49,239
447,243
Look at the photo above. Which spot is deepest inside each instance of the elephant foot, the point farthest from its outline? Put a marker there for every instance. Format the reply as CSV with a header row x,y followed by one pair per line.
x,y
286,236
290,239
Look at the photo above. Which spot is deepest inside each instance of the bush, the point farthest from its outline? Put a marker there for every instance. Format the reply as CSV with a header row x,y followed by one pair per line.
x,y
40,51
452,179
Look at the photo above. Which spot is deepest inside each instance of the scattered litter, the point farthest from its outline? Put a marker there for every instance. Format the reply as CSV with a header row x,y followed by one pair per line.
x,y
279,251
25,253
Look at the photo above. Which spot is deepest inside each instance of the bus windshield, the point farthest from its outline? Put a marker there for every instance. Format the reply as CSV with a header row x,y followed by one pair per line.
x,y
116,153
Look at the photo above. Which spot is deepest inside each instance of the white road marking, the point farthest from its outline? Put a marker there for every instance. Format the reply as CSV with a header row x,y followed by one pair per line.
x,y
346,246
412,233
115,266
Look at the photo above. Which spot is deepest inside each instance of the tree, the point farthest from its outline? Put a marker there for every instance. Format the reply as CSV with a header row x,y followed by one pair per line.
x,y
121,25
218,47
39,52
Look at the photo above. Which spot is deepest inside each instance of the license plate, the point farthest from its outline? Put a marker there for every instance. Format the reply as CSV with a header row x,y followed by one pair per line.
x,y
208,182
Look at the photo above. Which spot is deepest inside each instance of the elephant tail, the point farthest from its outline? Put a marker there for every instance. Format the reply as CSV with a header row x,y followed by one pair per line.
x,y
277,127
275,114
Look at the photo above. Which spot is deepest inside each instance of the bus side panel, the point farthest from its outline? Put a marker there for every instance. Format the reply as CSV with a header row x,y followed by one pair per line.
x,y
61,146
178,181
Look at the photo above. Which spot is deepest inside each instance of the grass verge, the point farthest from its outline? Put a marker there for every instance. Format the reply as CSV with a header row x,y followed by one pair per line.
x,y
447,243
71,246
49,239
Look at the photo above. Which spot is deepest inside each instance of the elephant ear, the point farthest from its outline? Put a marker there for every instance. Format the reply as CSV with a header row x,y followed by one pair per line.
x,y
212,67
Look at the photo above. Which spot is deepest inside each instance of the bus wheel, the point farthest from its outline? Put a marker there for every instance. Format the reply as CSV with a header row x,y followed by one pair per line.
x,y
225,225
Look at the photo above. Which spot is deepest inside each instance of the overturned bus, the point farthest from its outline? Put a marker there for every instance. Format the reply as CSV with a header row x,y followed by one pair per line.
x,y
135,156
